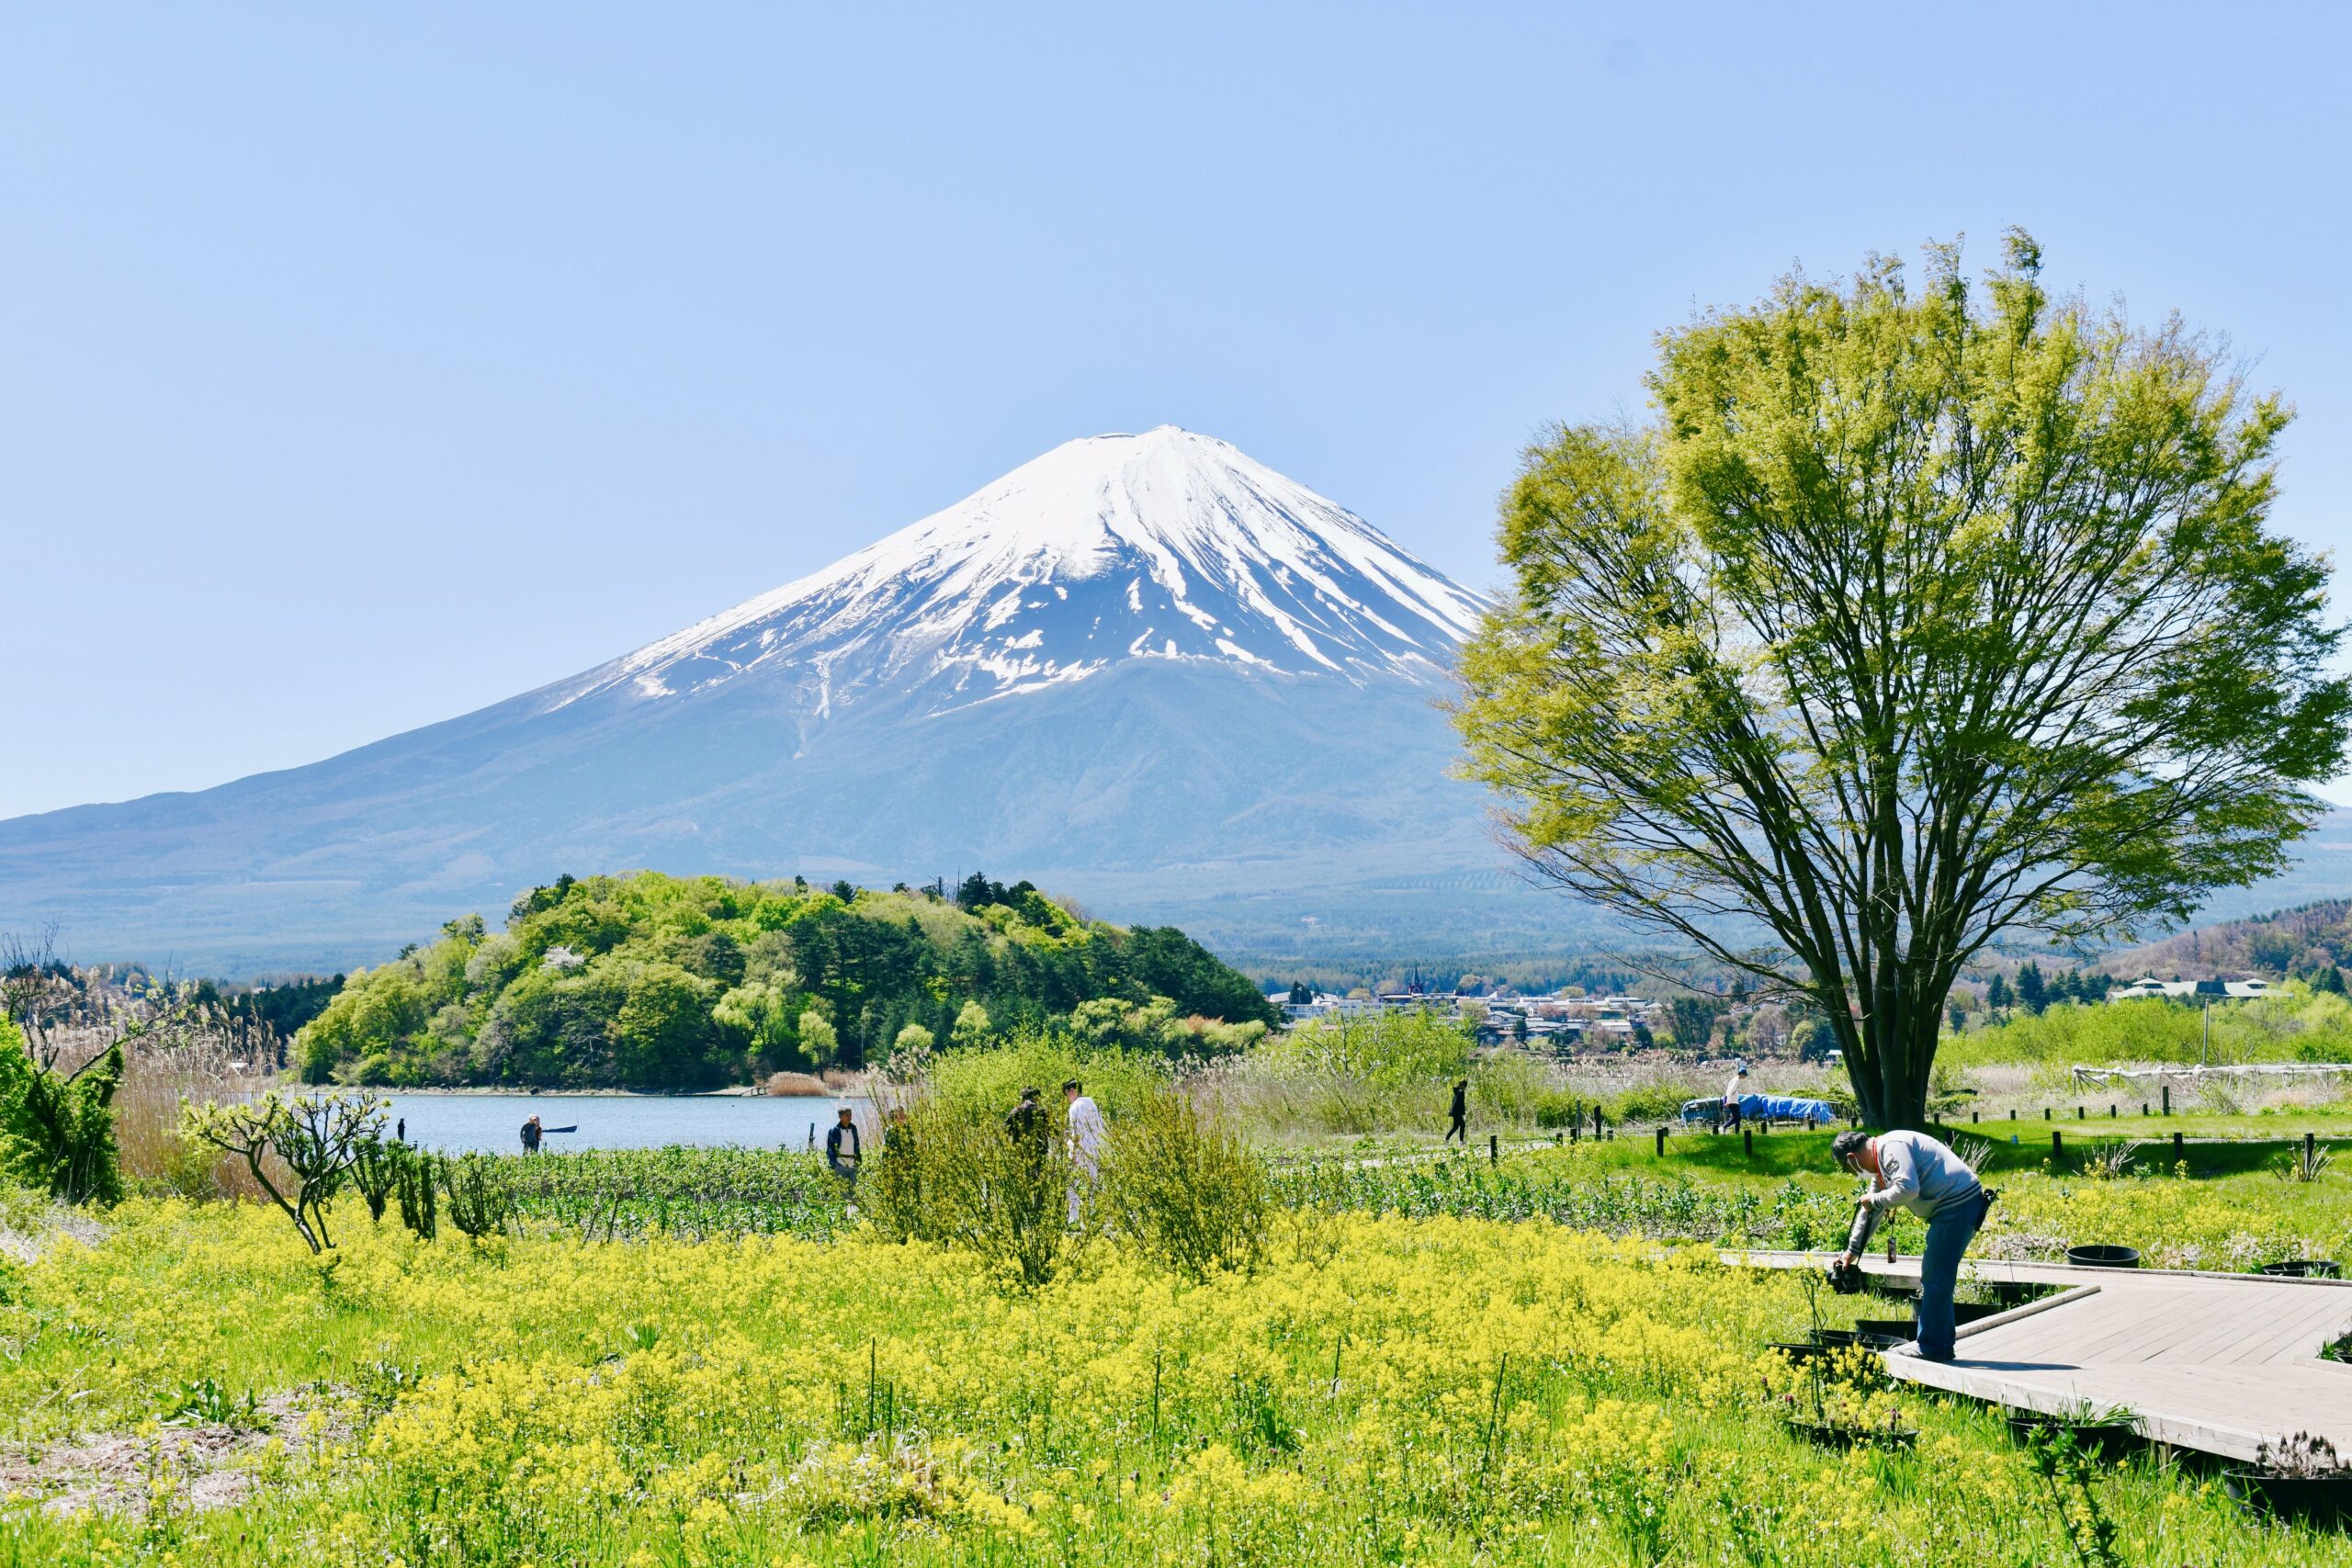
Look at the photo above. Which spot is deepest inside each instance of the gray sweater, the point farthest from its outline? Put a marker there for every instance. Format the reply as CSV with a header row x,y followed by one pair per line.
x,y
1914,1172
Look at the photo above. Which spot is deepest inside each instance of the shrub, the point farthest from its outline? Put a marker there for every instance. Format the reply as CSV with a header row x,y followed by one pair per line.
x,y
57,1128
413,1182
1186,1188
316,1139
954,1174
480,1203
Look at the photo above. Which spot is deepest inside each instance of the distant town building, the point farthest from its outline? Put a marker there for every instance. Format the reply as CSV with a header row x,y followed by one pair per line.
x,y
2190,990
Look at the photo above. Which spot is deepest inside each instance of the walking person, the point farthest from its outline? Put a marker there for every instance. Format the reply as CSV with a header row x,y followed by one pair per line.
x,y
1087,1132
1914,1171
1459,1126
1729,1121
531,1136
842,1153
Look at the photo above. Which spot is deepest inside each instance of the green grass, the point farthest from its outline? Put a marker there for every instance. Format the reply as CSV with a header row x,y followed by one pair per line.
x,y
2229,1210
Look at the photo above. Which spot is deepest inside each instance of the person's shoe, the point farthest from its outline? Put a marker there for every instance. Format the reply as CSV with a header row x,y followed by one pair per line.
x,y
1913,1349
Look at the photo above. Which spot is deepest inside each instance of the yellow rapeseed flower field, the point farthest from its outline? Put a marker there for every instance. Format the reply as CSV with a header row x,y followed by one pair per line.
x,y
1416,1390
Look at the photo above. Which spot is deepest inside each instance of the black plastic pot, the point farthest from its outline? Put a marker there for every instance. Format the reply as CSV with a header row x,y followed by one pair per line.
x,y
1799,1354
2314,1499
1833,1339
1971,1312
2100,1439
1880,1332
2303,1269
2104,1257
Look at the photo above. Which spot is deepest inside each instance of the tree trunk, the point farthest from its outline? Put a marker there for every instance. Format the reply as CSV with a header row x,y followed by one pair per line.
x,y
1902,1046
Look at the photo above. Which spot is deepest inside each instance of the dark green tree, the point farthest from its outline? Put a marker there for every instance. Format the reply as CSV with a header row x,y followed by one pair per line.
x,y
1692,1019
2033,989
1918,618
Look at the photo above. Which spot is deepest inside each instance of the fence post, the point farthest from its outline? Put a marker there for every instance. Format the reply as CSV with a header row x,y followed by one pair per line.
x,y
2078,1114
2013,1113
2308,1152
1494,1148
2111,1112
1973,1118
2143,1108
2167,1089
2046,1113
1661,1143
1748,1140
1596,1122
2179,1153
2057,1144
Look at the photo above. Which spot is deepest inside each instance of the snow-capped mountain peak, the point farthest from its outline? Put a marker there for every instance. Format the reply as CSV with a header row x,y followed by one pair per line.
x,y
1167,545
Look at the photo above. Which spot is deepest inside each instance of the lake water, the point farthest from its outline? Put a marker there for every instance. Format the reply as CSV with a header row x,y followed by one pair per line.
x,y
456,1123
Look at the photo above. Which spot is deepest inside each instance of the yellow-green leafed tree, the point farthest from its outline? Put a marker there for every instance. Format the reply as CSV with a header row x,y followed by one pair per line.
x,y
1921,613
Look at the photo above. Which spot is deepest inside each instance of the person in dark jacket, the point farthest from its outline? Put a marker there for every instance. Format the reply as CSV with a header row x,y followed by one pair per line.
x,y
1460,1113
842,1153
531,1136
1025,1123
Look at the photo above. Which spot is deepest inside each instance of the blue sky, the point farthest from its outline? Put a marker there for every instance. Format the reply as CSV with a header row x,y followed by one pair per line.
x,y
362,366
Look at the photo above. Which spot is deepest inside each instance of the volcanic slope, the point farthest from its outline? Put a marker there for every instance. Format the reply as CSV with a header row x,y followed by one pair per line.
x,y
1145,671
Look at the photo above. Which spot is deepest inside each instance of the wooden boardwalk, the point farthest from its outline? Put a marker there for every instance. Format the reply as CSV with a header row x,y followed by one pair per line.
x,y
2214,1362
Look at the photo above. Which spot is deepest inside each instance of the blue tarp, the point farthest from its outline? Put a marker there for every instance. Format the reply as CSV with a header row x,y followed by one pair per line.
x,y
1756,1107
1786,1107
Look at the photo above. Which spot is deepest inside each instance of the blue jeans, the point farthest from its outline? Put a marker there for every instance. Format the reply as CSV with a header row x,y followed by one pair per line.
x,y
1949,1235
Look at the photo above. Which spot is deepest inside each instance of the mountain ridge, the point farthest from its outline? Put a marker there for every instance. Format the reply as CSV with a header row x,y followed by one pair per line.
x,y
1133,664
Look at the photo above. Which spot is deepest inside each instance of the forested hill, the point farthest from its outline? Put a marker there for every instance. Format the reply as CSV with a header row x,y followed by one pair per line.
x,y
2304,943
652,981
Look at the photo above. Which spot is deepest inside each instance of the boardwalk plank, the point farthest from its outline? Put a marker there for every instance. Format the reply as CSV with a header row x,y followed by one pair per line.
x,y
2214,1362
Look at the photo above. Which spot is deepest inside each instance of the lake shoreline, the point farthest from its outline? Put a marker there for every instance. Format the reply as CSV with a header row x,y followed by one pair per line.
x,y
739,1091
574,1121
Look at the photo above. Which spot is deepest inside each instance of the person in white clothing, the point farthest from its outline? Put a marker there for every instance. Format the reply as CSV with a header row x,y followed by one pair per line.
x,y
1730,1120
1087,1132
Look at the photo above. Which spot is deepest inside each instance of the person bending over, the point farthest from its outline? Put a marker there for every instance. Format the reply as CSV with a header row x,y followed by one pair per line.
x,y
1914,1171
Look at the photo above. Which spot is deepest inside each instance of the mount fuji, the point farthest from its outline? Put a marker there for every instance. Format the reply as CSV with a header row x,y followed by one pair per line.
x,y
1142,670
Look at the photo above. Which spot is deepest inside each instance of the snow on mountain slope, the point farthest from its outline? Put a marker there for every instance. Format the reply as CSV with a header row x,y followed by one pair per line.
x,y
1167,545
1143,666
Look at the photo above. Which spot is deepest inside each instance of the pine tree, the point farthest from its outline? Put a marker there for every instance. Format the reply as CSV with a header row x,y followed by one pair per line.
x,y
2031,989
